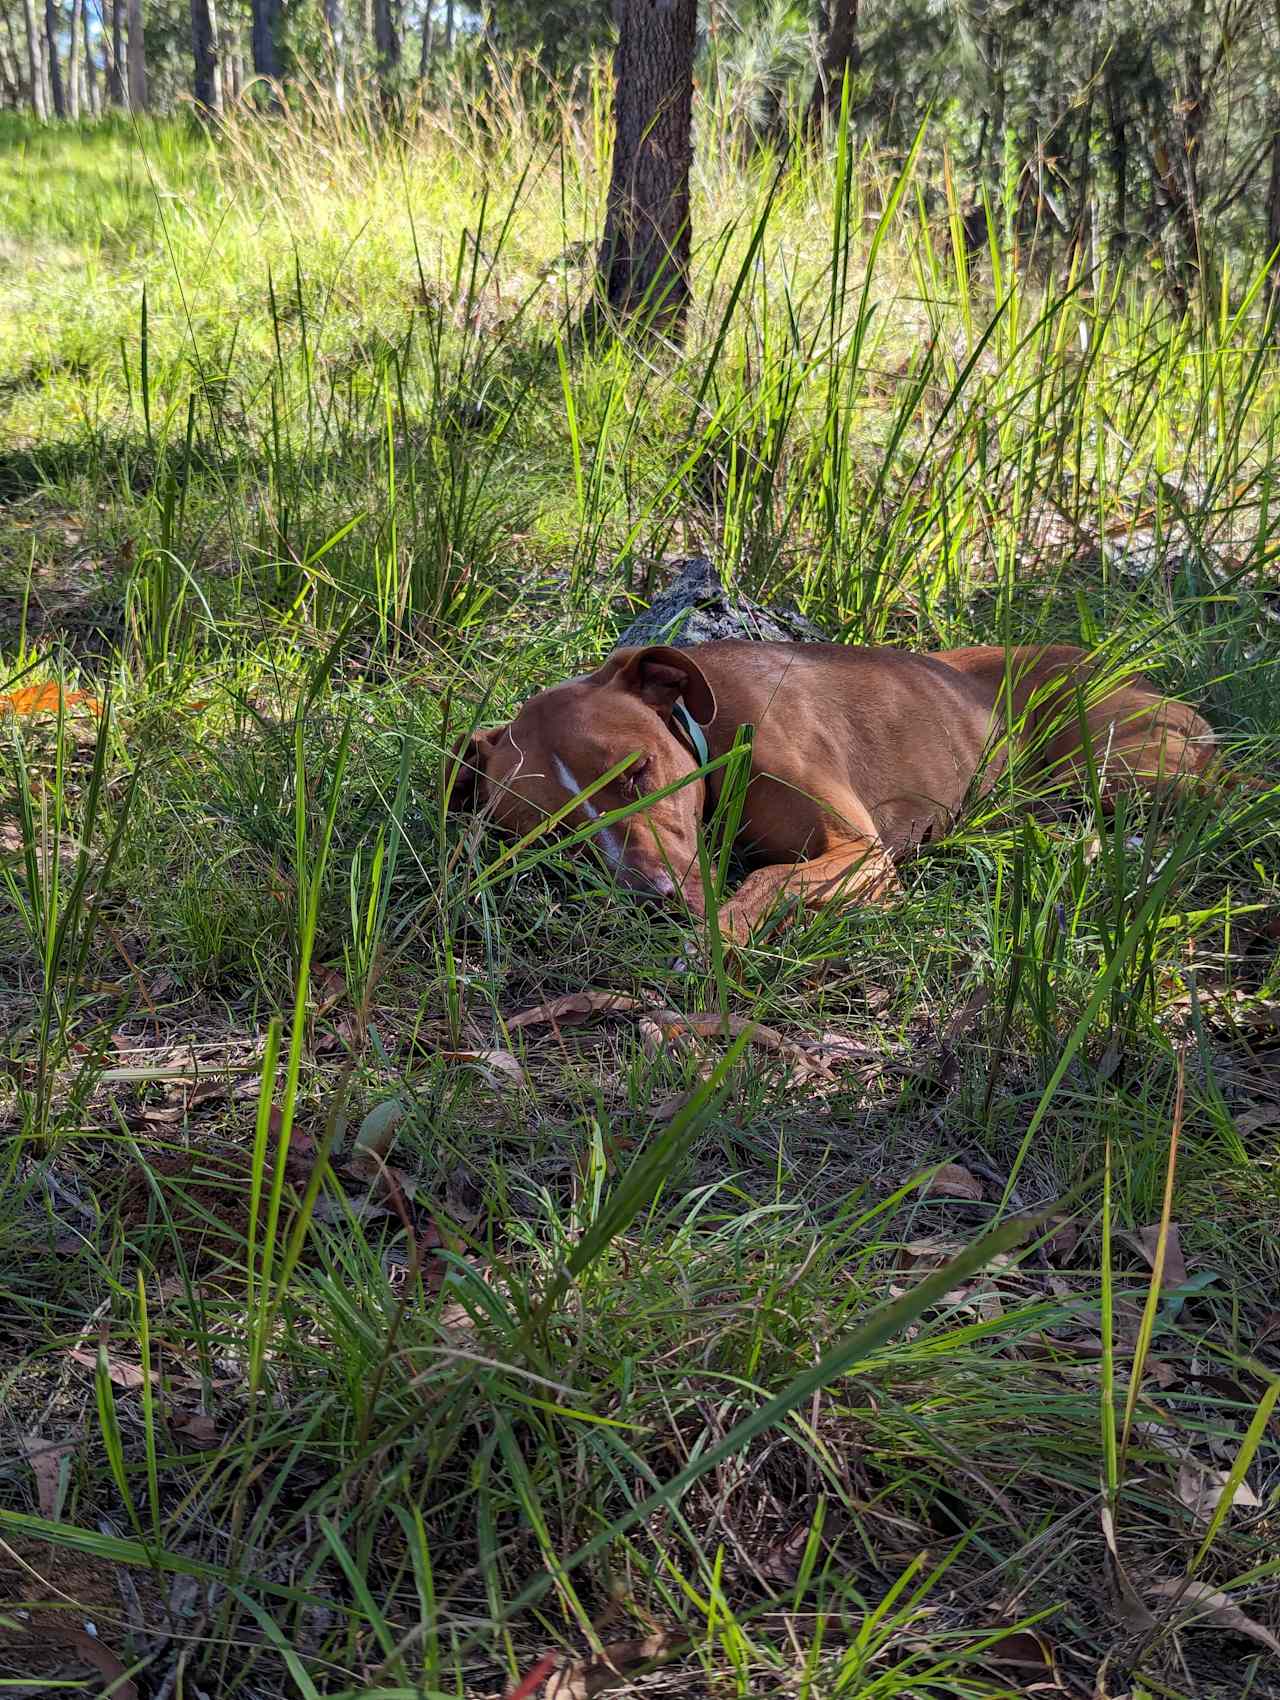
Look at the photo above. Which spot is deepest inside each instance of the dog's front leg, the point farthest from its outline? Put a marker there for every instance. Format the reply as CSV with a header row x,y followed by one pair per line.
x,y
857,871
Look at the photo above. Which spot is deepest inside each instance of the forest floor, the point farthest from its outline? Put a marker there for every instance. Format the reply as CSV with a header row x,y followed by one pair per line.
x,y
387,1310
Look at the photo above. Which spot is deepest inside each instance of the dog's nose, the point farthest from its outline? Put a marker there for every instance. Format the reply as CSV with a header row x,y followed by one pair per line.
x,y
654,884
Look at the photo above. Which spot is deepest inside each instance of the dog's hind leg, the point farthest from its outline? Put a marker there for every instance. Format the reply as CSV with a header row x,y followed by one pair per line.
x,y
1138,740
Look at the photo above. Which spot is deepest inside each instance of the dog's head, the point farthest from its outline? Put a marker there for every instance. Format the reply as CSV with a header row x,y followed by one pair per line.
x,y
565,738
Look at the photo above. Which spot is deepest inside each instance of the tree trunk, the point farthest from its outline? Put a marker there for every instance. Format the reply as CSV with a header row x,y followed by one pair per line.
x,y
841,56
424,56
115,66
9,72
644,260
1118,153
73,60
92,96
338,47
207,81
448,26
386,42
54,62
234,79
35,60
137,59
266,39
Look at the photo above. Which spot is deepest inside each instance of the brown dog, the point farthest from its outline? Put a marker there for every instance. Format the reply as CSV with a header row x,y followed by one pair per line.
x,y
858,755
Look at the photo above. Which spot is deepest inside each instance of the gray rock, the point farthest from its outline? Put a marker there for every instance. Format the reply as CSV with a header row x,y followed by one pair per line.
x,y
696,608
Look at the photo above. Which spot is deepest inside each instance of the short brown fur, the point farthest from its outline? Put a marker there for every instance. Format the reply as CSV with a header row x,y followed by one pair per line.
x,y
858,755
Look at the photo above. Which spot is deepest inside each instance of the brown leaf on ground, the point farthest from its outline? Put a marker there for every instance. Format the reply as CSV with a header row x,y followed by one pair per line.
x,y
105,1662
1209,1607
781,1563
1200,1488
328,988
966,1018
673,1026
1026,1654
1253,1121
180,1103
951,1180
1146,1242
670,1108
572,1008
499,1069
45,1458
620,1659
121,1372
1063,1239
1268,1328
195,1429
922,1256
1129,1602
839,1047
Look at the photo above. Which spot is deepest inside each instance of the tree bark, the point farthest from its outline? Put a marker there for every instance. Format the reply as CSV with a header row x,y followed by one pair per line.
x,y
338,47
92,94
56,88
266,39
137,59
644,260
841,55
386,42
115,66
1118,153
424,55
35,60
73,60
207,81
9,72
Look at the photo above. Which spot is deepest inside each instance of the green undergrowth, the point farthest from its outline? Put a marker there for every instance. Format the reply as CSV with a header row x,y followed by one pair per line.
x,y
360,1338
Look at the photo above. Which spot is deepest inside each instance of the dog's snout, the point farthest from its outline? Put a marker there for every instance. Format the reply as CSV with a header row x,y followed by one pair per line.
x,y
652,883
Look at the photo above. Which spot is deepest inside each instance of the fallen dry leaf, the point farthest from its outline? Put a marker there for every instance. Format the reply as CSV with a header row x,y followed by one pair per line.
x,y
197,1429
328,987
670,1108
951,1180
781,1563
1063,1239
1146,1241
1200,1488
500,1069
1208,1606
1253,1121
672,1026
587,1677
1027,1653
105,1662
45,1458
44,699
966,1018
121,1372
1129,1602
571,1008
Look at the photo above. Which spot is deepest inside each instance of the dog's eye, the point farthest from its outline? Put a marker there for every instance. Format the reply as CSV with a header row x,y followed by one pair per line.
x,y
633,780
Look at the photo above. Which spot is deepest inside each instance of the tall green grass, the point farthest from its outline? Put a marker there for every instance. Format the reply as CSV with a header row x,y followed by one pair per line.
x,y
311,466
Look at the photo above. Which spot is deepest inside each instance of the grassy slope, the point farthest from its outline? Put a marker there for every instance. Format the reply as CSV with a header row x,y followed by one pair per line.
x,y
346,416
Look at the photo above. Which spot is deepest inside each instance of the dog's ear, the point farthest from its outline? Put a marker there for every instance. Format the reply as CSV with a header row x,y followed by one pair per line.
x,y
466,765
661,674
